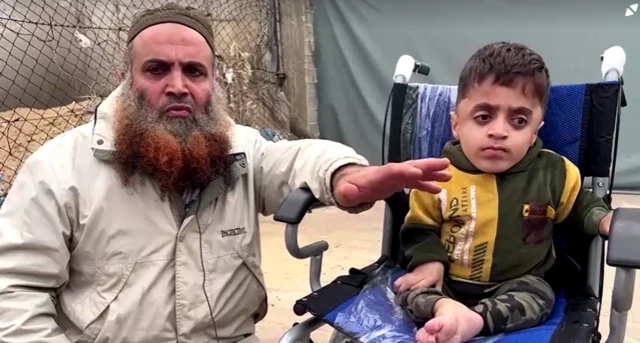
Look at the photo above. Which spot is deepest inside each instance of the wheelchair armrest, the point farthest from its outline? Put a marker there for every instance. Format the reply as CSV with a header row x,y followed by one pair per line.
x,y
295,205
291,212
624,238
623,253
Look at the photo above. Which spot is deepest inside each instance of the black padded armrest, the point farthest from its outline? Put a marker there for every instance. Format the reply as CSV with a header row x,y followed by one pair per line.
x,y
295,206
624,238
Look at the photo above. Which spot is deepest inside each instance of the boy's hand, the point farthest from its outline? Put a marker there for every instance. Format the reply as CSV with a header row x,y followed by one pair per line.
x,y
429,274
605,223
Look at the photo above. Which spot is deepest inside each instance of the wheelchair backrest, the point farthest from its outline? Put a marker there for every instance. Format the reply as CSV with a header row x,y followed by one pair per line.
x,y
579,123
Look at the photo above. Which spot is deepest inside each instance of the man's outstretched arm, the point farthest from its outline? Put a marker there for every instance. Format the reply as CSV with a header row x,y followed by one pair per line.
x,y
336,174
283,166
34,231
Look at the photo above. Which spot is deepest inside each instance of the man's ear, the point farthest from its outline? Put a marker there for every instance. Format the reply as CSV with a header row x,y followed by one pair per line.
x,y
454,124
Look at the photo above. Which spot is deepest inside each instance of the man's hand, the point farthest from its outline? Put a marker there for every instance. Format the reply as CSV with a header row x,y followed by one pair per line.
x,y
430,274
605,223
355,185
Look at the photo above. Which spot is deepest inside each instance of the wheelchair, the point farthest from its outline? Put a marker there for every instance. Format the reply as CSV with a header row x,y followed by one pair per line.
x,y
581,123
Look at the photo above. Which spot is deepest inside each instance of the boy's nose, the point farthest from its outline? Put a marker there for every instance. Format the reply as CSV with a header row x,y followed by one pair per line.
x,y
498,131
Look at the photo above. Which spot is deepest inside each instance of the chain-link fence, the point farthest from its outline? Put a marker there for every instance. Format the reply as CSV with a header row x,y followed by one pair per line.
x,y
59,58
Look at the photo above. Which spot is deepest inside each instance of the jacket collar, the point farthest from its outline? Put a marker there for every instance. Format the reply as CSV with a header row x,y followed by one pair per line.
x,y
102,137
453,151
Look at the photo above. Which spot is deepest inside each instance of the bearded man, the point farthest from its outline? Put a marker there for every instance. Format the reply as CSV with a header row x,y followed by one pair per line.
x,y
142,226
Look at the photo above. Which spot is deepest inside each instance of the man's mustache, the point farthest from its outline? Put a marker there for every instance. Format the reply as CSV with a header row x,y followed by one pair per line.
x,y
184,103
181,102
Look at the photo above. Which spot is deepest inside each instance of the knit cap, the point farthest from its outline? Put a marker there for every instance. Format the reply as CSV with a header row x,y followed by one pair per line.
x,y
173,13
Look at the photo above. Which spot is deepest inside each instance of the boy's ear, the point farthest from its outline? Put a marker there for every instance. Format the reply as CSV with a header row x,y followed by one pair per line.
x,y
454,124
535,136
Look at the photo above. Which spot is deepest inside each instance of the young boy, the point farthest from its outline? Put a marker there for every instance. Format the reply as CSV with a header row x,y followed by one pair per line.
x,y
479,250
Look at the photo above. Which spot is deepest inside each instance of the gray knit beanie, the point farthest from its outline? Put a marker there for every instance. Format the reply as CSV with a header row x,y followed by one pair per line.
x,y
173,13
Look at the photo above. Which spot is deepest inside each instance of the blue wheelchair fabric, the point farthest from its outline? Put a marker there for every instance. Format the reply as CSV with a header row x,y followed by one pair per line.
x,y
561,131
373,316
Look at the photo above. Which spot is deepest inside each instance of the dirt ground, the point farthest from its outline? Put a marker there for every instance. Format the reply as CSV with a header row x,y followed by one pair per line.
x,y
355,241
23,130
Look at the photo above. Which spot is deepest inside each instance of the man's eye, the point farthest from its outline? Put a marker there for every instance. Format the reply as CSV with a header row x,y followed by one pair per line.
x,y
154,70
195,72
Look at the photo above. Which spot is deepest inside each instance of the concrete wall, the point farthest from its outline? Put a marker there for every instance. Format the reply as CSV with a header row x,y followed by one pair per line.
x,y
297,41
43,64
310,72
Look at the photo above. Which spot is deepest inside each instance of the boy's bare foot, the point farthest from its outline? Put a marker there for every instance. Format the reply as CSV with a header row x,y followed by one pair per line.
x,y
453,323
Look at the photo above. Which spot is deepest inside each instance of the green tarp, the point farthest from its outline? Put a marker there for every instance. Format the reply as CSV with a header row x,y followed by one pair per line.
x,y
358,43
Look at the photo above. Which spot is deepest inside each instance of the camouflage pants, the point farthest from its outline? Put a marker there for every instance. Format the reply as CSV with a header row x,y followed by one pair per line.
x,y
509,306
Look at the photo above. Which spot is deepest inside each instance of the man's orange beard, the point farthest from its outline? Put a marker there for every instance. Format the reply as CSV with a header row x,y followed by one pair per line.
x,y
177,155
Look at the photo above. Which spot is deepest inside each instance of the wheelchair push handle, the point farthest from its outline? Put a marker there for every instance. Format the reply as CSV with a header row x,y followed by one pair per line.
x,y
406,66
613,61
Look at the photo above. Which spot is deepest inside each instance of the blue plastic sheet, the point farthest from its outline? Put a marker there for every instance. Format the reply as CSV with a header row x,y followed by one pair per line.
x,y
374,316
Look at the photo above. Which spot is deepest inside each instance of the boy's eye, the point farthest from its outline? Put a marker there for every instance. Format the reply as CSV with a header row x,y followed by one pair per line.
x,y
483,118
519,122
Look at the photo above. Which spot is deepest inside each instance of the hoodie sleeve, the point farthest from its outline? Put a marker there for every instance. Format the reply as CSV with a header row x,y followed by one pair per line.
x,y
581,205
420,234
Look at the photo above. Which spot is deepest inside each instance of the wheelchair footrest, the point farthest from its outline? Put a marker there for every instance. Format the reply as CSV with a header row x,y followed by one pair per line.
x,y
343,288
579,323
330,296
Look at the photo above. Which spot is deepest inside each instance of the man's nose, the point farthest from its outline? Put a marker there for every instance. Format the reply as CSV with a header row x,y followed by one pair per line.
x,y
176,84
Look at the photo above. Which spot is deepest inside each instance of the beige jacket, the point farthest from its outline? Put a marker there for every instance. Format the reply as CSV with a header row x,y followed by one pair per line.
x,y
83,259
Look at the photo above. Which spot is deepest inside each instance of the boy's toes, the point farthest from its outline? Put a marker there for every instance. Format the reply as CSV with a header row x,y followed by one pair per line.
x,y
449,330
433,326
422,336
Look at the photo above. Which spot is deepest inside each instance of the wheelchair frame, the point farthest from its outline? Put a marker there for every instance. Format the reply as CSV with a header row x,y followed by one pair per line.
x,y
622,254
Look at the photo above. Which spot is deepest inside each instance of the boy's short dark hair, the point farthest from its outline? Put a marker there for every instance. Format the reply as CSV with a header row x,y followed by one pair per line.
x,y
508,64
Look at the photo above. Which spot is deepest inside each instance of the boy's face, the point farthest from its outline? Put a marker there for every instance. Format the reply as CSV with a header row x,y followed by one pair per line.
x,y
496,126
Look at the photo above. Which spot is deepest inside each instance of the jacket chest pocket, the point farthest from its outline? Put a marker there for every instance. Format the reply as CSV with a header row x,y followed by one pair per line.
x,y
235,285
235,282
85,312
537,222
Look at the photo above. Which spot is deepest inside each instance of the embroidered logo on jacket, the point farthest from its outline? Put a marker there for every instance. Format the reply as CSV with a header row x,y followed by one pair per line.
x,y
461,226
234,232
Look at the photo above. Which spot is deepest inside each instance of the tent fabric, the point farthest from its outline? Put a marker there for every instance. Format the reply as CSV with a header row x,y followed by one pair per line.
x,y
358,42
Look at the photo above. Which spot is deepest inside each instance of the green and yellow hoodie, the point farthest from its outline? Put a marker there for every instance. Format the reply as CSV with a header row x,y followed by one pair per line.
x,y
489,228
